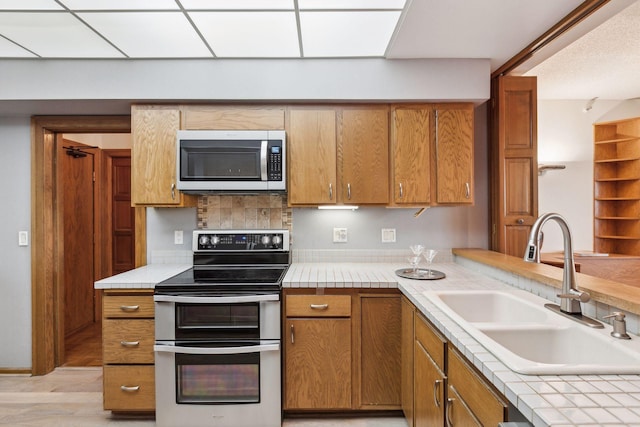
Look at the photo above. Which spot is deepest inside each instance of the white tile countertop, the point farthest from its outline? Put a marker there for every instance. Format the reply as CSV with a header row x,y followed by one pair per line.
x,y
558,401
144,277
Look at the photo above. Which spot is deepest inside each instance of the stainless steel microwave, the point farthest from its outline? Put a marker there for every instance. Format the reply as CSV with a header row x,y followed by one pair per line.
x,y
231,160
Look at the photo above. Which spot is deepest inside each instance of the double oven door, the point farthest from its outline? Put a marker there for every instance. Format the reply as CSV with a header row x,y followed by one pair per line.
x,y
218,360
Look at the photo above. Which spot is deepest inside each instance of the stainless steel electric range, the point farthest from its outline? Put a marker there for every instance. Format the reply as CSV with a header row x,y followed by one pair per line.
x,y
217,350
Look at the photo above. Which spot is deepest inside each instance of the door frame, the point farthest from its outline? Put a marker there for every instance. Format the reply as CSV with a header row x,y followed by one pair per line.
x,y
45,233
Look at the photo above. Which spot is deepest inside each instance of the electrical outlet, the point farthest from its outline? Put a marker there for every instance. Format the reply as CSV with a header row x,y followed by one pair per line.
x,y
388,235
339,235
178,237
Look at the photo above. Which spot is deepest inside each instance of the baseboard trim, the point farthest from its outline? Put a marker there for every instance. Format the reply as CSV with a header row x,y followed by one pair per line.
x,y
15,371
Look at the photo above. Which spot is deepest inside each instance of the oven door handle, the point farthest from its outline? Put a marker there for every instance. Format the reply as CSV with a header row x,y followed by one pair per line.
x,y
216,300
163,348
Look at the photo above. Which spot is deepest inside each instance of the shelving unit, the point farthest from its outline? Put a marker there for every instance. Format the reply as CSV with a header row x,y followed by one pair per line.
x,y
617,187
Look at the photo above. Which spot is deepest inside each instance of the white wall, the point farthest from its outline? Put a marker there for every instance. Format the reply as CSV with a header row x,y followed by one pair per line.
x,y
15,262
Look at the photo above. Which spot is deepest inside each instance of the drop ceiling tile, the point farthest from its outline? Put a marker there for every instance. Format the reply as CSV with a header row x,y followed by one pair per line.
x,y
54,35
343,34
249,34
120,4
29,5
11,50
238,4
351,4
149,34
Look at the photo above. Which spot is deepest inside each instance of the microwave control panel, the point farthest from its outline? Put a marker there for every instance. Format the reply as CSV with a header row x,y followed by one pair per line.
x,y
274,168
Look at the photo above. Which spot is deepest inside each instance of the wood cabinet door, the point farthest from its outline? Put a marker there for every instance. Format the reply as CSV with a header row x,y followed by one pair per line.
x,y
380,372
407,362
317,372
364,163
454,155
411,156
312,156
514,185
429,390
153,155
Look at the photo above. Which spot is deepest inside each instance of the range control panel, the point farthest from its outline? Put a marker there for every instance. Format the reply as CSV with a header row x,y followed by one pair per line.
x,y
240,240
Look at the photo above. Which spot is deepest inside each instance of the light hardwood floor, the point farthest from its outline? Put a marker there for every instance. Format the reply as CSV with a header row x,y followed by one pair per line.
x,y
72,397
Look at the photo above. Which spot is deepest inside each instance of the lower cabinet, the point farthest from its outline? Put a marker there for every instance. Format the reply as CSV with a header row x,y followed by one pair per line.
x,y
341,350
127,342
439,386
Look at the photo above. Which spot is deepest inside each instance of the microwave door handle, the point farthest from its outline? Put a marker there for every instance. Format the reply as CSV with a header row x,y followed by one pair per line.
x,y
216,300
162,348
263,160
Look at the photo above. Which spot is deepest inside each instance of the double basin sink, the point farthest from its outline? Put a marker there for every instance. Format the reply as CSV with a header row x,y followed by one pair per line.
x,y
530,339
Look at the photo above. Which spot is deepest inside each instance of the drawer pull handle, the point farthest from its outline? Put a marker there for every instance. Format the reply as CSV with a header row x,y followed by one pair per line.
x,y
130,343
129,308
436,392
292,339
129,389
449,409
319,306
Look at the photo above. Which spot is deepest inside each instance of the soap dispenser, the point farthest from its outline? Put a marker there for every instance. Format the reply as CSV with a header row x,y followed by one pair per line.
x,y
619,325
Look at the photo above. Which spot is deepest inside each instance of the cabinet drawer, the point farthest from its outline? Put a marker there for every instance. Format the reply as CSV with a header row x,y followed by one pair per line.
x,y
128,341
318,306
129,388
431,340
481,400
128,306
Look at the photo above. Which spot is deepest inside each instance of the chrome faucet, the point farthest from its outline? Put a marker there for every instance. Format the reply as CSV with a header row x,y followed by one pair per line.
x,y
571,297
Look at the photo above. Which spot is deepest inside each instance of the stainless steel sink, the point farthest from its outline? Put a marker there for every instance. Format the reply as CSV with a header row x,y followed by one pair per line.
x,y
517,329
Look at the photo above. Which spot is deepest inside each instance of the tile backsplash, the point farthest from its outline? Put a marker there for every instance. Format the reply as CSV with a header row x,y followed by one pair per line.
x,y
225,212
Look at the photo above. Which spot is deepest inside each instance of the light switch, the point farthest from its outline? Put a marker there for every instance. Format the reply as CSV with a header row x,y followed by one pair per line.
x,y
178,237
23,238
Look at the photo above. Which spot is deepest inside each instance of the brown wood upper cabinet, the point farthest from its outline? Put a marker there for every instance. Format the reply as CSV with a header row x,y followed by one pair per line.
x,y
338,155
153,156
454,154
411,155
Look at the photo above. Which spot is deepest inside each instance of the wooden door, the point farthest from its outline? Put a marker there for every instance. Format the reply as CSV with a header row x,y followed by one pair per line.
x,y
312,156
364,166
76,196
318,363
407,362
411,155
458,413
123,217
380,338
454,155
514,162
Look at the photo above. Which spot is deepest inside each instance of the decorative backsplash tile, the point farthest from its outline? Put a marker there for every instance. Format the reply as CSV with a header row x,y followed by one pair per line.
x,y
225,212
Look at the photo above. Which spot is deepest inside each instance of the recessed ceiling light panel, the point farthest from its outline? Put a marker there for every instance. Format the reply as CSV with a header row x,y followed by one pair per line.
x,y
238,4
351,4
29,5
348,33
54,35
120,4
249,34
12,50
149,34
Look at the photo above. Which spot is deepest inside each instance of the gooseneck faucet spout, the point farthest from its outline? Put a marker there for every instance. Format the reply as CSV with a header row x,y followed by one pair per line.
x,y
571,297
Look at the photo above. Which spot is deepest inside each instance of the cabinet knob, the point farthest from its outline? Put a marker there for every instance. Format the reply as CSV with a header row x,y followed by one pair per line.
x,y
520,221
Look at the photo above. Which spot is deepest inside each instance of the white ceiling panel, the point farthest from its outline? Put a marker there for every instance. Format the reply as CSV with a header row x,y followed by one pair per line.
x,y
11,50
149,34
350,4
54,35
249,34
495,29
238,4
29,5
345,34
121,4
